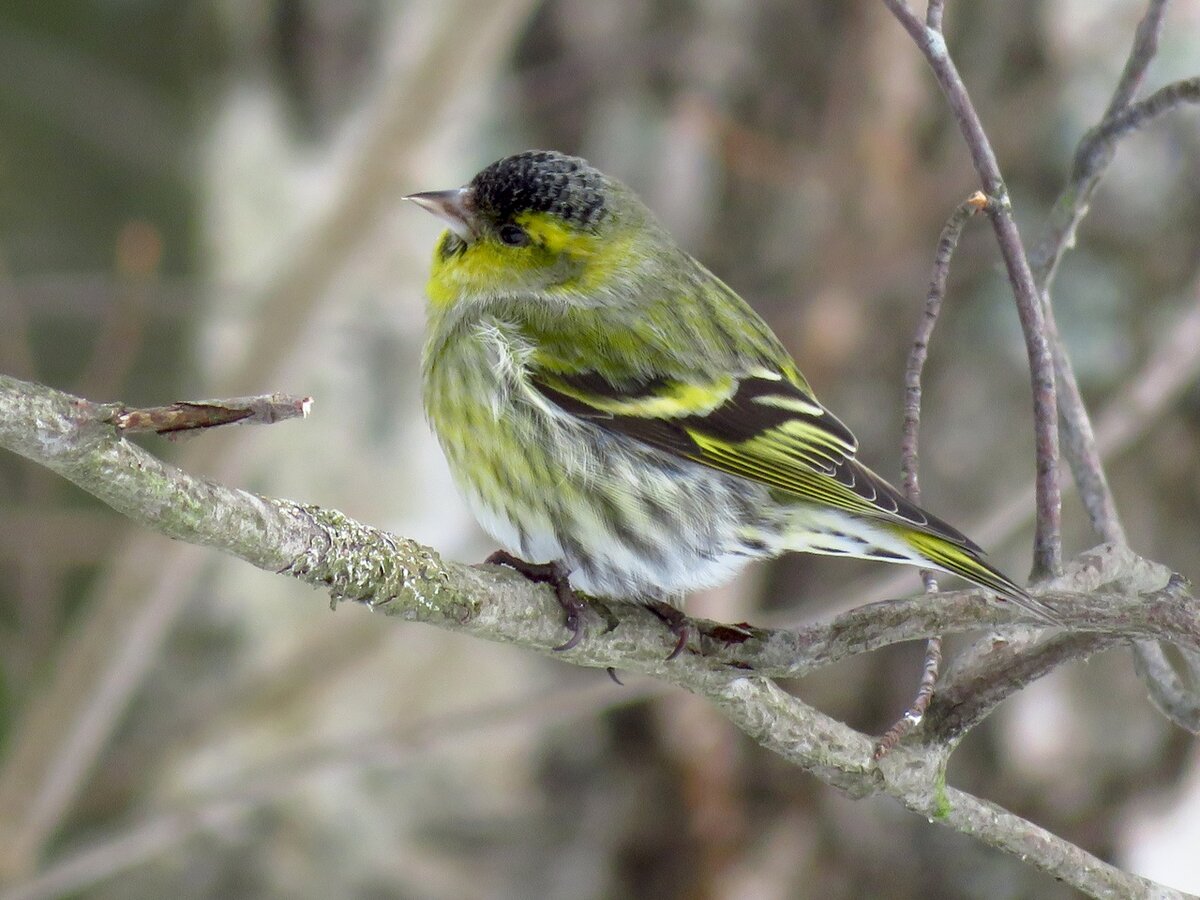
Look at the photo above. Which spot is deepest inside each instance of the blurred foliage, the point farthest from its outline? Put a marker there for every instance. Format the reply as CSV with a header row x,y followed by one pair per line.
x,y
160,161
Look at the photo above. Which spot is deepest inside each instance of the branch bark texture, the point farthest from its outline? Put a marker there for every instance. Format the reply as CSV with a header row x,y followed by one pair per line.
x,y
1108,593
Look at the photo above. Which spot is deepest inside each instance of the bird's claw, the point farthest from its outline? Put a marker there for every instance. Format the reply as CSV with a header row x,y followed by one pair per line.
x,y
573,607
676,621
557,577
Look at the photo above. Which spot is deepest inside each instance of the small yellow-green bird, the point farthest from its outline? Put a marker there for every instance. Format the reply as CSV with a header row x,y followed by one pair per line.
x,y
616,415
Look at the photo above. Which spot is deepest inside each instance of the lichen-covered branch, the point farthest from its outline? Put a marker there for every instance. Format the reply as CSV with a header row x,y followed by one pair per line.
x,y
1111,594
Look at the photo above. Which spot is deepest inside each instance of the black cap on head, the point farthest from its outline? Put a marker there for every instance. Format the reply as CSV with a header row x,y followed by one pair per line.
x,y
540,181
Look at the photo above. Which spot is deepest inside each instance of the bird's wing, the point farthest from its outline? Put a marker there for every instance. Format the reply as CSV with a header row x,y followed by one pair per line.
x,y
763,425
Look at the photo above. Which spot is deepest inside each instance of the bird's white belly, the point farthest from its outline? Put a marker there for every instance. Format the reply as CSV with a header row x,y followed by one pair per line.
x,y
681,560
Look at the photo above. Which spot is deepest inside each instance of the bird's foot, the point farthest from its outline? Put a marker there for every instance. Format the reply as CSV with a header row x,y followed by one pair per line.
x,y
676,621
557,577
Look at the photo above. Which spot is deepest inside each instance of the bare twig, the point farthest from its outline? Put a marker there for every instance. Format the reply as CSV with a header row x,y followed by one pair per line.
x,y
915,714
909,460
933,14
190,415
1095,151
1080,446
947,242
970,694
1171,366
1145,48
1097,146
1176,700
1047,543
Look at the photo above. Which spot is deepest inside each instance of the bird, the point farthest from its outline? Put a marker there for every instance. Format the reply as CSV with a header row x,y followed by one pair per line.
x,y
621,421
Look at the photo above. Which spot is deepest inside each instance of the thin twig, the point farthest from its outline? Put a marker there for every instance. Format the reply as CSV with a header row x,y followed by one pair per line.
x,y
193,415
1047,543
971,693
1095,151
967,696
909,458
1141,54
1176,700
1097,146
919,352
933,14
1172,365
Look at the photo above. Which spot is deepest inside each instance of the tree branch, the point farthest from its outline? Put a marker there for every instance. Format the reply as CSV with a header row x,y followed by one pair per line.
x,y
909,457
1047,542
1095,151
1141,54
355,562
188,415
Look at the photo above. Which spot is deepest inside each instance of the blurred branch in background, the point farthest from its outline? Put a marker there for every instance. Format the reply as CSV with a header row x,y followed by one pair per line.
x,y
219,807
452,47
1179,701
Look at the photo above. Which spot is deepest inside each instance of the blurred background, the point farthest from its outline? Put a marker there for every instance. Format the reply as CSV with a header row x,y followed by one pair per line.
x,y
201,199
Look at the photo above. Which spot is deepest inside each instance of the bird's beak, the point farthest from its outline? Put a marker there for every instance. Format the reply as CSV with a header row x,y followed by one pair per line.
x,y
453,207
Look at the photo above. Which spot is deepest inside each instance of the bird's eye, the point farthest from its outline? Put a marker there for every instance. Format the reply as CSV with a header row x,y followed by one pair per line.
x,y
514,235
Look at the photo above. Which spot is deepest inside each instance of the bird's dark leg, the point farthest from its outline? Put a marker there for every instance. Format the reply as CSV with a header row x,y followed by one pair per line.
x,y
675,620
556,576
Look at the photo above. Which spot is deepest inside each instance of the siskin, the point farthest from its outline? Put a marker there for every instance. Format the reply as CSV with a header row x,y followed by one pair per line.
x,y
614,412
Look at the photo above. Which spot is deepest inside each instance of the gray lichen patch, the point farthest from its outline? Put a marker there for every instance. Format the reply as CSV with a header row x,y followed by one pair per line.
x,y
362,564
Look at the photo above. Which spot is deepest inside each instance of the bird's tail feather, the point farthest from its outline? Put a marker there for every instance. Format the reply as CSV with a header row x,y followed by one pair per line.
x,y
817,530
949,557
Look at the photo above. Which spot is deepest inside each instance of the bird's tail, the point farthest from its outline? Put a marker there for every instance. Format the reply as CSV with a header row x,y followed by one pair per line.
x,y
815,529
950,557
